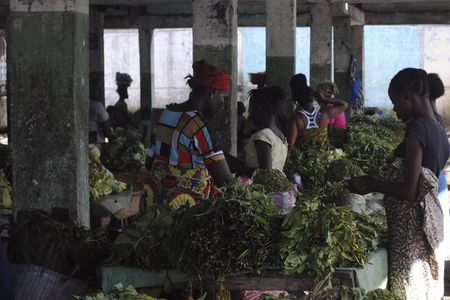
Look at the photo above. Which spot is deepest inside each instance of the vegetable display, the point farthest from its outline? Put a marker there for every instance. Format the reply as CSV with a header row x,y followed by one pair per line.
x,y
101,180
124,152
370,142
274,181
39,239
228,235
119,292
319,237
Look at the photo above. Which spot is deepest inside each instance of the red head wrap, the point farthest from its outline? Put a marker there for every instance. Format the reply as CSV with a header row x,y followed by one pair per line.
x,y
209,76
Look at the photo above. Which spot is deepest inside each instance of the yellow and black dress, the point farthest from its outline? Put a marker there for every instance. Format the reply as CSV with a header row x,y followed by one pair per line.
x,y
180,153
313,137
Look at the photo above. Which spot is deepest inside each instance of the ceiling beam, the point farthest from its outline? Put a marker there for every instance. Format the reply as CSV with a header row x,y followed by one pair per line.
x,y
407,18
374,1
356,15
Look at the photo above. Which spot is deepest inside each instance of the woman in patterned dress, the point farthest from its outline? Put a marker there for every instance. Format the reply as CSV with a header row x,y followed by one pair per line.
x,y
183,159
308,127
414,215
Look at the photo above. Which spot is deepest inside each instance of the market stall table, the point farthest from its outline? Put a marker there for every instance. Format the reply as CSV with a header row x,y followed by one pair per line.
x,y
372,276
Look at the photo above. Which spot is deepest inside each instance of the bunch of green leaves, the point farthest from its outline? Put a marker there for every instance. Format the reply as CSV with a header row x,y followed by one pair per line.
x,y
323,174
325,290
274,181
312,167
101,180
119,292
147,243
124,152
380,294
229,234
65,247
319,237
5,191
371,141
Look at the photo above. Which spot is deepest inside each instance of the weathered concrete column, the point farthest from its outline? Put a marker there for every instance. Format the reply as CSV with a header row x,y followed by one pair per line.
x,y
145,38
48,65
342,55
96,49
215,40
357,32
281,18
321,24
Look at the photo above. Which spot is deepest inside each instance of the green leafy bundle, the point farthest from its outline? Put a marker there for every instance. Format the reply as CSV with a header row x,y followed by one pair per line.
x,y
64,247
147,243
323,174
380,294
371,141
227,235
101,180
125,152
119,292
274,181
318,237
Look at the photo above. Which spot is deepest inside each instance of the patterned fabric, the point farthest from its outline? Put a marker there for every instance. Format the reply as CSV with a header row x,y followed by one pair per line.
x,y
415,231
314,139
176,187
182,140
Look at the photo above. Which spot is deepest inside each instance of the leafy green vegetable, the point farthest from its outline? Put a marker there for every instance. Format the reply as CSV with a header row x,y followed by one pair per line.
x,y
319,237
274,181
380,294
39,239
125,152
119,292
101,180
227,235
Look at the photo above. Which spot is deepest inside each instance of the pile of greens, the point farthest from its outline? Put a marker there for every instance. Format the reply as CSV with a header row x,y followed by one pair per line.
x,y
229,235
39,239
148,242
119,292
274,181
125,152
323,174
371,141
101,180
319,237
5,191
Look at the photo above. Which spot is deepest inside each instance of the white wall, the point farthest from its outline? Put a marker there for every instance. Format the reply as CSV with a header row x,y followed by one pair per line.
x,y
122,55
171,62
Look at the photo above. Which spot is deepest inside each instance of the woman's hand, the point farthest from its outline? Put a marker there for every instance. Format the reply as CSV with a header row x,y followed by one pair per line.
x,y
360,185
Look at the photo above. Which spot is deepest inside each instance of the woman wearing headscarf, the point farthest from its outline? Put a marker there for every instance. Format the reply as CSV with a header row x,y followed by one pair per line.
x,y
183,160
308,127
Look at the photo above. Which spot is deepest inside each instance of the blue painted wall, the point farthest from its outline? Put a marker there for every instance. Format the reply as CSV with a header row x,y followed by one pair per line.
x,y
254,50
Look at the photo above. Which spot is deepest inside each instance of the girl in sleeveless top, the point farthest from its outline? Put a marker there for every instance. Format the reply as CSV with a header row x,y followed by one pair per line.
x,y
309,123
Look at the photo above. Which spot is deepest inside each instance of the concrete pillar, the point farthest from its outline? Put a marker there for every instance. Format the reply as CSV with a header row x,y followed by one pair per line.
x,y
48,65
281,18
357,32
96,51
342,55
321,24
215,40
145,38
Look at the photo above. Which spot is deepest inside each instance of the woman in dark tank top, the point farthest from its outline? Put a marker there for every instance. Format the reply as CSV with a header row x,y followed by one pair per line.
x,y
414,215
